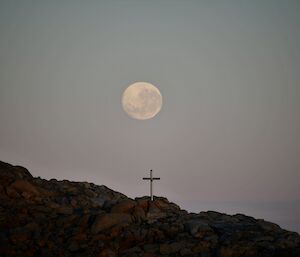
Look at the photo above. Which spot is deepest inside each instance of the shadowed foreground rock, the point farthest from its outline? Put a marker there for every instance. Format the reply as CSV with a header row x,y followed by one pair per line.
x,y
63,218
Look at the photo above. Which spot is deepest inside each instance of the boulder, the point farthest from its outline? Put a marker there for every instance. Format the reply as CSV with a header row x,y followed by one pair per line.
x,y
154,213
100,200
124,206
197,228
106,221
268,226
15,172
139,213
163,204
24,186
143,202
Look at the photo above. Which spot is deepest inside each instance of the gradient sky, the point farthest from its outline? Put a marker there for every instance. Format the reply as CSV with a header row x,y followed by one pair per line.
x,y
228,71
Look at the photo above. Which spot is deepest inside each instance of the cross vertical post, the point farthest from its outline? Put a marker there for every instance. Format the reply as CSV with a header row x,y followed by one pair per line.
x,y
151,185
151,178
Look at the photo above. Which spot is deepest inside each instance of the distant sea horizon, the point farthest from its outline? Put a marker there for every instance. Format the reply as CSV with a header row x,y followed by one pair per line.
x,y
285,214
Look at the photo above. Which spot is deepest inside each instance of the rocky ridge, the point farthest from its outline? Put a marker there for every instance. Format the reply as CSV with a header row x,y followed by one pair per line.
x,y
62,218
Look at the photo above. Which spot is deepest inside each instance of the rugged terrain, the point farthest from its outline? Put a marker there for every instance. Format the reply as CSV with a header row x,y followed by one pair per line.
x,y
62,218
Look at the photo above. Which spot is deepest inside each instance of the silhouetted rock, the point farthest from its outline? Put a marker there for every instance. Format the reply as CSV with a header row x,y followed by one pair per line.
x,y
63,218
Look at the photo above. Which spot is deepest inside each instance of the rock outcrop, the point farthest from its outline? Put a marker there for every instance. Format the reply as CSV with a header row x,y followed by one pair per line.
x,y
63,218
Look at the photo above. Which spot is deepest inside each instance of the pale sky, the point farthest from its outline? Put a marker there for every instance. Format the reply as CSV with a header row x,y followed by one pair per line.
x,y
228,72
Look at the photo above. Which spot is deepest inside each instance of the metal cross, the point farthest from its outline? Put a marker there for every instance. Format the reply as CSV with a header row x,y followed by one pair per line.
x,y
151,187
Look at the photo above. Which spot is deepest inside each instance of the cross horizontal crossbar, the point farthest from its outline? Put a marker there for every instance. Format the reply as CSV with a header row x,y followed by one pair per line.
x,y
151,178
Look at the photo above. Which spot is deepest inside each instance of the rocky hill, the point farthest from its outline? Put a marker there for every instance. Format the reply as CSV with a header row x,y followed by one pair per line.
x,y
62,218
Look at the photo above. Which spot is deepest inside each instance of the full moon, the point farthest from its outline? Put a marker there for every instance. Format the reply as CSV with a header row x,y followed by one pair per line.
x,y
141,101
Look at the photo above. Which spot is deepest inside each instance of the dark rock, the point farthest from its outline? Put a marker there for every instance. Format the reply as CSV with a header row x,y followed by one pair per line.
x,y
170,248
23,186
63,218
109,220
198,228
139,214
124,206
66,210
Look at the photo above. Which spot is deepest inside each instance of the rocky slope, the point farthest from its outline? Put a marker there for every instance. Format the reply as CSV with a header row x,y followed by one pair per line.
x,y
63,218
